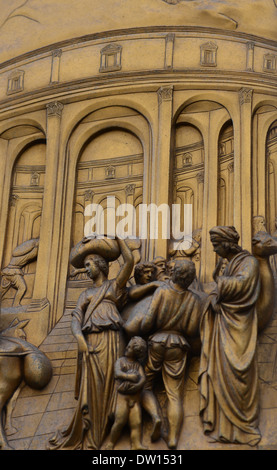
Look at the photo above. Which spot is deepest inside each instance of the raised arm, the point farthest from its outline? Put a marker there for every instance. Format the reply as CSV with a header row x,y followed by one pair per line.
x,y
126,270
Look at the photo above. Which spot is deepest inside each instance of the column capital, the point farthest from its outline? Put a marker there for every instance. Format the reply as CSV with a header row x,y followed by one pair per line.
x,y
165,93
89,195
170,37
250,45
57,53
54,108
200,177
231,167
13,200
130,189
245,95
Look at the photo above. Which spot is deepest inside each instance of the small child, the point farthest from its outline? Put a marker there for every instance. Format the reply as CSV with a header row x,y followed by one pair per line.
x,y
130,378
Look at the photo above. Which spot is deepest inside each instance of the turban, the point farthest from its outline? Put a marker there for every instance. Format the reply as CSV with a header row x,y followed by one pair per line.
x,y
224,234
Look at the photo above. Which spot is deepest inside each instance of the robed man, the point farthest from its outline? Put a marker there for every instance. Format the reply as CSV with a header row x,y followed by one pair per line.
x,y
228,377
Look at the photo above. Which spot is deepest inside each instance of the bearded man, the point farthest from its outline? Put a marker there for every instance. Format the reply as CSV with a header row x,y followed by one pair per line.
x,y
228,377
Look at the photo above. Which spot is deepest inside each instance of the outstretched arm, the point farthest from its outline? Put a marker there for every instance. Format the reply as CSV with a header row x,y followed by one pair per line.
x,y
139,291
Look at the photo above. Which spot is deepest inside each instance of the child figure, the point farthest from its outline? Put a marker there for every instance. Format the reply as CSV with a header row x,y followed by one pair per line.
x,y
130,378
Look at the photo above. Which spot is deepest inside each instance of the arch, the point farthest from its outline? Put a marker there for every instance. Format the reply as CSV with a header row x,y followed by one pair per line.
x,y
210,113
126,150
100,128
262,119
209,96
20,190
100,104
271,176
22,122
264,102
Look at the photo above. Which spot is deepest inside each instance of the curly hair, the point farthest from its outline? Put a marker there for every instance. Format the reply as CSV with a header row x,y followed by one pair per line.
x,y
139,269
184,273
102,264
140,348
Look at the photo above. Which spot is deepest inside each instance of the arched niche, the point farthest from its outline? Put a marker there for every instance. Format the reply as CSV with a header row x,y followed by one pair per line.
x,y
203,131
226,175
110,165
25,208
196,126
264,163
188,163
271,177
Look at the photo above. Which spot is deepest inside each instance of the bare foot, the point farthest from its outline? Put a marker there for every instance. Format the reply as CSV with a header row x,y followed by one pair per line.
x,y
109,446
156,432
138,446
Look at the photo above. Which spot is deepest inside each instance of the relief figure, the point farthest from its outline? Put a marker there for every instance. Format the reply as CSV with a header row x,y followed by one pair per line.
x,y
97,327
20,361
264,248
12,275
172,316
130,380
228,376
144,275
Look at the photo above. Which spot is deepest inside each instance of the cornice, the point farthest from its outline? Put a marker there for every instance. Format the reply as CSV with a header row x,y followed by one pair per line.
x,y
113,34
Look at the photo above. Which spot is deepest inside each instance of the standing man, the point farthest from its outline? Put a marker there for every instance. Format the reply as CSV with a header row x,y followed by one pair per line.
x,y
172,314
228,376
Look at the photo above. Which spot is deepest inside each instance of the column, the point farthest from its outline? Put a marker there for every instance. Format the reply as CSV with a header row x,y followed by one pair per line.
x,y
3,194
169,49
130,192
250,56
162,170
49,240
210,199
55,69
230,197
243,173
200,192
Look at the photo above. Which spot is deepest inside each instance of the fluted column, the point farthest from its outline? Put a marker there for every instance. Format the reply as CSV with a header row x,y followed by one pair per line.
x,y
242,176
210,199
45,272
230,197
200,191
162,169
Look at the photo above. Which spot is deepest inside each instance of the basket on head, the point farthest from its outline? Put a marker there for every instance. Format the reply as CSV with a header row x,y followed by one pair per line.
x,y
106,247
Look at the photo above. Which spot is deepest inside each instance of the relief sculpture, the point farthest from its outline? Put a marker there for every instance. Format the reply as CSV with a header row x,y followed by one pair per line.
x,y
20,361
153,122
156,322
12,275
97,327
228,356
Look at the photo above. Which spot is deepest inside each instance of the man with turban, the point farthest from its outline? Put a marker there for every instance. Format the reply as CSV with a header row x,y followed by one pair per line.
x,y
228,377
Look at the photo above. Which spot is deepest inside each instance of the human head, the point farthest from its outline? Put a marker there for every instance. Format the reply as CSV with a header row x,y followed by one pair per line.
x,y
160,264
170,266
196,235
144,273
91,261
137,349
258,224
184,273
225,240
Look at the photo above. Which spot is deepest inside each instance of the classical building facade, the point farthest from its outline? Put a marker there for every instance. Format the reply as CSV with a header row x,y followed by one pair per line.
x,y
163,115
